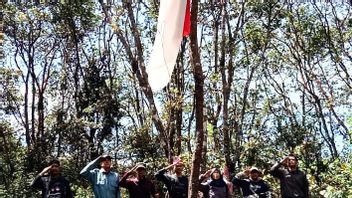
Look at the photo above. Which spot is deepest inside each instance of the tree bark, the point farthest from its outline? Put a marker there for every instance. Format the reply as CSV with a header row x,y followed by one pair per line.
x,y
199,100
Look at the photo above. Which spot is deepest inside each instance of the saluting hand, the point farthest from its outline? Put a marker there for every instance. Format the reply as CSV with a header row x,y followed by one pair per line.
x,y
284,161
247,171
45,170
208,173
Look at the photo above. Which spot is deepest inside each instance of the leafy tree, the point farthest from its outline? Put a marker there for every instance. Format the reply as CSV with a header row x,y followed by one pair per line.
x,y
254,81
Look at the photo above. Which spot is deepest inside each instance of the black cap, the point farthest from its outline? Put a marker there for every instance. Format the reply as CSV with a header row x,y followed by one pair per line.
x,y
54,161
105,157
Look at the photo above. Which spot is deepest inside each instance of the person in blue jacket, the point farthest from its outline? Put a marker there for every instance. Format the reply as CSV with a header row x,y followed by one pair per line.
x,y
105,182
251,184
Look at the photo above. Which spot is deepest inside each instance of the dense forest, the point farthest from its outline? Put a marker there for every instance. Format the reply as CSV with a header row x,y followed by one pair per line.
x,y
254,81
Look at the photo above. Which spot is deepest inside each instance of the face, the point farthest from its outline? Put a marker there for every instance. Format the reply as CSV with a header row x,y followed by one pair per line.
x,y
141,172
55,169
105,164
254,175
216,175
292,162
179,168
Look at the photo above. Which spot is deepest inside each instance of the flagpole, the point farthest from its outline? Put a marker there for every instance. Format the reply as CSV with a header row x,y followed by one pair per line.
x,y
199,102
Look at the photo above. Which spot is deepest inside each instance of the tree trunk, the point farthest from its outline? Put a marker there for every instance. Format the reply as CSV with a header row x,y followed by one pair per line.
x,y
199,99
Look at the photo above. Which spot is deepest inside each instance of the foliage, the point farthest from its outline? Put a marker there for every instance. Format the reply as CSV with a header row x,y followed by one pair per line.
x,y
277,80
14,177
336,180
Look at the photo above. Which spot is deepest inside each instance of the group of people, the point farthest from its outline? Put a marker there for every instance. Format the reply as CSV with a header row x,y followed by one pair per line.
x,y
213,184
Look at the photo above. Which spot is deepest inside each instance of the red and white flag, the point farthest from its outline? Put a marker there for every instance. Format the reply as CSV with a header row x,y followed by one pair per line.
x,y
173,24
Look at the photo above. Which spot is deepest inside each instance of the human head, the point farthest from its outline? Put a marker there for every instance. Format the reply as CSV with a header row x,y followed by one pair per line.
x,y
54,167
105,162
254,173
292,161
179,168
215,174
141,170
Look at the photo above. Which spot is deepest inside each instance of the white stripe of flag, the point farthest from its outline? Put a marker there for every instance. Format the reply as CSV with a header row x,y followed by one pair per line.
x,y
167,43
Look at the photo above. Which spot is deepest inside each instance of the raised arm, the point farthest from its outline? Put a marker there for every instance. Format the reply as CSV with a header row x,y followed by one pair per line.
x,y
239,179
160,175
204,176
123,182
86,171
276,170
38,182
204,187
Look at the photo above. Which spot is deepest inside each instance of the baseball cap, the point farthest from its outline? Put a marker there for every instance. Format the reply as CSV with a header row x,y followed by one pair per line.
x,y
255,169
54,161
105,157
140,165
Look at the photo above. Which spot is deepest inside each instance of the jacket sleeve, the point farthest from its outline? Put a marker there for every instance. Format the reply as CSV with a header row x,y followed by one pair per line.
x,y
238,180
38,182
118,193
161,176
266,189
202,177
68,189
306,185
88,172
204,187
152,189
124,182
276,171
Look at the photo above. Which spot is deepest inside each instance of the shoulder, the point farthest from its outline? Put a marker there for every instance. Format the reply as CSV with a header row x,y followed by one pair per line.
x,y
283,170
114,174
149,180
63,178
95,170
44,177
170,177
262,182
247,180
303,174
184,177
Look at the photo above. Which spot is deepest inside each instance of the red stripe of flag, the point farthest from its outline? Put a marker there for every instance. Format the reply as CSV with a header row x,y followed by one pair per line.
x,y
187,23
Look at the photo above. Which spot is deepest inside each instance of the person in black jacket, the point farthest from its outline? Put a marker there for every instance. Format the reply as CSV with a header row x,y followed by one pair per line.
x,y
254,186
51,183
293,182
213,184
138,185
176,184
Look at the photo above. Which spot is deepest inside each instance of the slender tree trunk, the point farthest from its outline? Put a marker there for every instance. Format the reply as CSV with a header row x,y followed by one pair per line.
x,y
139,70
26,116
33,131
199,99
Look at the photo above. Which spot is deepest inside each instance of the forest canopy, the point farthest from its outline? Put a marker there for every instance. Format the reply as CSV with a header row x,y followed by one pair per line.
x,y
266,78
